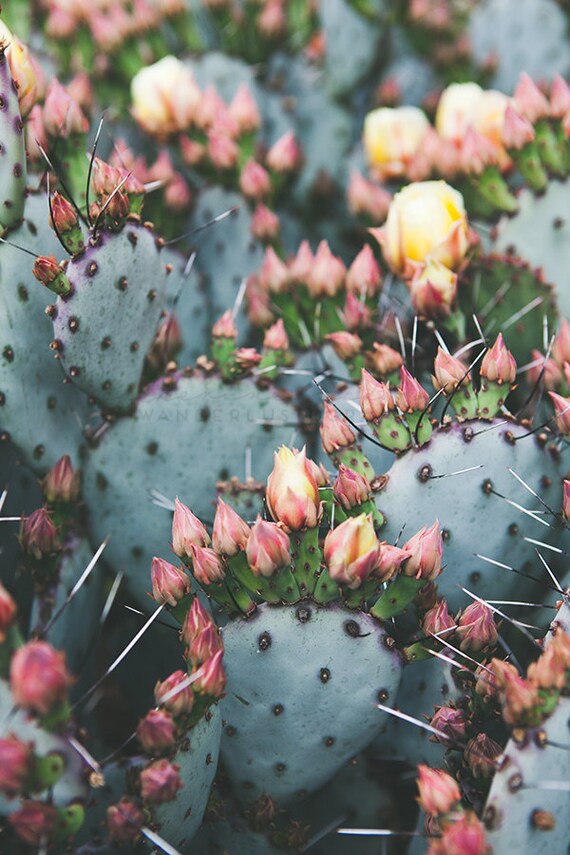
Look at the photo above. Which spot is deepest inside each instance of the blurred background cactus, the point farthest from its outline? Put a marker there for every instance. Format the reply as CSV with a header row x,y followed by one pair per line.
x,y
283,298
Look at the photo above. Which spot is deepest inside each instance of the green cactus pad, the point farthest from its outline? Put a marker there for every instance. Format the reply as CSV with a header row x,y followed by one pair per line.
x,y
12,151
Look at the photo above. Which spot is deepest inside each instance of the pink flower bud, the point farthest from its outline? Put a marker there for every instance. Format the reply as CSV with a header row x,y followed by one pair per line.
x,y
63,116
65,216
61,484
7,612
546,371
272,21
169,583
346,345
375,397
427,552
335,432
225,327
124,822
276,338
244,110
390,561
187,531
268,548
464,836
223,151
231,533
38,677
160,782
274,274
439,792
530,101
197,618
350,488
15,764
182,702
284,155
433,289
559,97
302,264
46,269
565,504
35,822
207,566
477,629
364,275
156,731
247,358
549,671
81,90
265,224
292,494
193,152
384,359
411,397
367,199
451,722
352,551
480,754
38,535
254,180
177,196
258,309
498,364
208,107
327,273
211,677
562,412
449,372
477,152
356,314
319,473
517,130
437,620
204,645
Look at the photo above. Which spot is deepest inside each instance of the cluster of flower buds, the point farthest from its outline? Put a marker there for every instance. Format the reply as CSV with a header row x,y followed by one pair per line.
x,y
174,186
458,830
118,194
61,117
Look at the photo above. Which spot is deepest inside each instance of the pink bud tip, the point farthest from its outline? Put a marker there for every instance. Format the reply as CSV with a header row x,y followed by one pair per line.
x,y
350,488
335,431
411,397
517,130
364,276
375,397
268,548
169,583
276,338
346,345
187,531
438,791
499,365
426,548
160,782
210,677
38,677
61,484
156,732
182,701
124,822
477,630
285,155
230,533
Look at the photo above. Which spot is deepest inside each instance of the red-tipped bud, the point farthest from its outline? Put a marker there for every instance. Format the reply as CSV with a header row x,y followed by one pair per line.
x,y
499,365
254,180
480,754
268,548
247,358
477,629
437,620
160,782
292,493
549,671
433,289
346,345
223,151
38,677
411,397
384,360
274,275
285,155
375,397
559,97
517,130
275,337
63,116
327,273
38,535
243,110
197,618
187,531
64,216
7,612
562,412
368,199
546,371
530,101
34,822
15,764
193,153
319,473
124,822
211,677
449,372
477,152
265,224
169,583
61,484
364,275
46,269
566,501
301,265
231,533
350,488
335,432
207,566
182,701
356,314
451,722
439,792
426,549
464,836
204,645
156,732
352,551
390,561
225,327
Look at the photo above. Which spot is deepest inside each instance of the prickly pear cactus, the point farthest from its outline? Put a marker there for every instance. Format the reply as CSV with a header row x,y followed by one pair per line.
x,y
13,159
